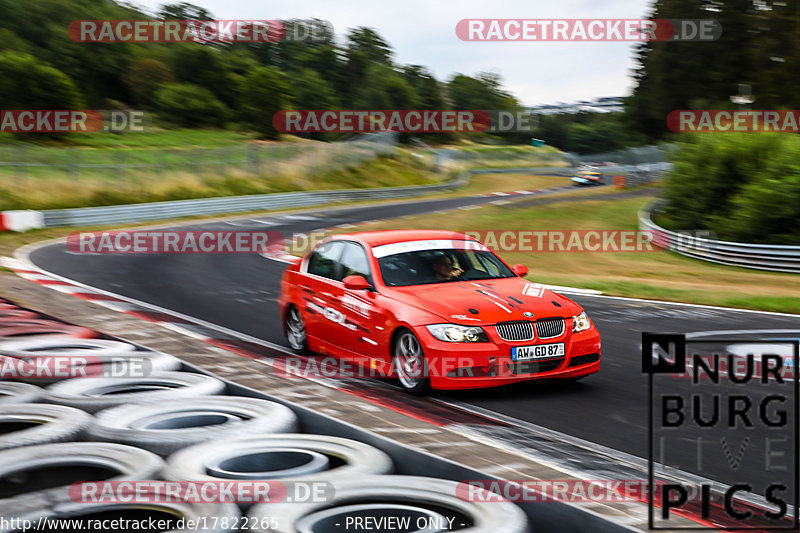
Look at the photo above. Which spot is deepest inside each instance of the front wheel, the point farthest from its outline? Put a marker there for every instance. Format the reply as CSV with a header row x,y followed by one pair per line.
x,y
410,365
295,331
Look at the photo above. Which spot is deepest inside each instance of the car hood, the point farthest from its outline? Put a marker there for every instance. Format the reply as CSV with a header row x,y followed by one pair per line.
x,y
487,301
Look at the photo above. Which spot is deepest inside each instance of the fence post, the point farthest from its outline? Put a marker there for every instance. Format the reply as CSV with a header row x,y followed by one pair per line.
x,y
255,164
22,168
194,160
74,167
119,163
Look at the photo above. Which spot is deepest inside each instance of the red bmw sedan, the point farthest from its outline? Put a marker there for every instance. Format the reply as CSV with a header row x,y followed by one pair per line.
x,y
433,309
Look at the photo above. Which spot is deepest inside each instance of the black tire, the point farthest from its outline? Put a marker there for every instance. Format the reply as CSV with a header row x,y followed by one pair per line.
x,y
207,517
418,381
52,468
13,392
381,496
96,394
295,330
33,423
357,459
166,427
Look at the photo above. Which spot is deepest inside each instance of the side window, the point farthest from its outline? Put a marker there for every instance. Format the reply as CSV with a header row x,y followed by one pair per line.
x,y
355,262
488,265
324,261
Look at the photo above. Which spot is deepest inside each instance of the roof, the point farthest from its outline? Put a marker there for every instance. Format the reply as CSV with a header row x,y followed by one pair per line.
x,y
378,238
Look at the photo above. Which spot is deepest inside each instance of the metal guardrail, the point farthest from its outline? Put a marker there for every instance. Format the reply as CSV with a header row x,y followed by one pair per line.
x,y
96,216
778,258
131,213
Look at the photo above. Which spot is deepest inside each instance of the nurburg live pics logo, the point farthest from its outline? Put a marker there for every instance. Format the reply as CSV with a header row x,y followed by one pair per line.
x,y
740,429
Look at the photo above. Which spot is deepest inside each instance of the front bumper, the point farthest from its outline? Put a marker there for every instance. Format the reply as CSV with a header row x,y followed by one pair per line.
x,y
489,364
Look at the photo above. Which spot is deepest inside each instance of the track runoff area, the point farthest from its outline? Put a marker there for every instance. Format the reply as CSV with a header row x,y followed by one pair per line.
x,y
716,431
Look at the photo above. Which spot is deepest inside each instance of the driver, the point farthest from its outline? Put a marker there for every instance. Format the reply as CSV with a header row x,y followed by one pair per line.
x,y
444,270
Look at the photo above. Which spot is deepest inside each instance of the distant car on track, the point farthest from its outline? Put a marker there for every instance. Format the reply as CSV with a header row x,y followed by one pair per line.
x,y
433,309
587,177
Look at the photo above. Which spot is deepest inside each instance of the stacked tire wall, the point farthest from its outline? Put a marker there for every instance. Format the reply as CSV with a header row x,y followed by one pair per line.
x,y
170,421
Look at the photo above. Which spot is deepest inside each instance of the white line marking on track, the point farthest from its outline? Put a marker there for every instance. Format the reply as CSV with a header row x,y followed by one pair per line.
x,y
610,455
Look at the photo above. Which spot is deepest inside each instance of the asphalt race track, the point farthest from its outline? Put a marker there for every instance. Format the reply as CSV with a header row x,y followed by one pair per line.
x,y
608,409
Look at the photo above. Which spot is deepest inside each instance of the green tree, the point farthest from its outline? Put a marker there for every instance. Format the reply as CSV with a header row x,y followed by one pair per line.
x,y
184,11
265,92
709,170
145,77
10,41
481,92
387,90
310,91
364,50
207,67
191,106
368,42
430,93
27,83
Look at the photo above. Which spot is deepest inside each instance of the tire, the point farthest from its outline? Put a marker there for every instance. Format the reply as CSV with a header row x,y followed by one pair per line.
x,y
207,517
162,427
13,392
295,330
40,424
391,496
52,468
409,363
96,394
53,344
357,459
137,364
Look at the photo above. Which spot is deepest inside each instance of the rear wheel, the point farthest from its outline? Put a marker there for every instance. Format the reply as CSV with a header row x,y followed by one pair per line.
x,y
295,330
410,365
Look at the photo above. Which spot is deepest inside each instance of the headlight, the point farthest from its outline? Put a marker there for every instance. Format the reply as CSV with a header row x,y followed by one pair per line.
x,y
456,333
580,323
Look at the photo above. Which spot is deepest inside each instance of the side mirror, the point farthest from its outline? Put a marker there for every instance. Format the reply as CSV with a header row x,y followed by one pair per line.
x,y
355,283
519,270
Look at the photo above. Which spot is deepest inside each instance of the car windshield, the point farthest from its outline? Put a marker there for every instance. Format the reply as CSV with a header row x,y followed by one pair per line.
x,y
441,266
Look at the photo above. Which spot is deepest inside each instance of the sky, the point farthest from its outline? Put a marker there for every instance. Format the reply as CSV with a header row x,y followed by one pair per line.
x,y
422,32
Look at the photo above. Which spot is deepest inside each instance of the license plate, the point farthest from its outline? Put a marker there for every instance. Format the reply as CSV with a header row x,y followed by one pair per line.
x,y
538,351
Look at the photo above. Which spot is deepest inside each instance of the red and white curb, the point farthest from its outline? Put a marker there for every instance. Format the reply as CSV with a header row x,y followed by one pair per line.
x,y
206,332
